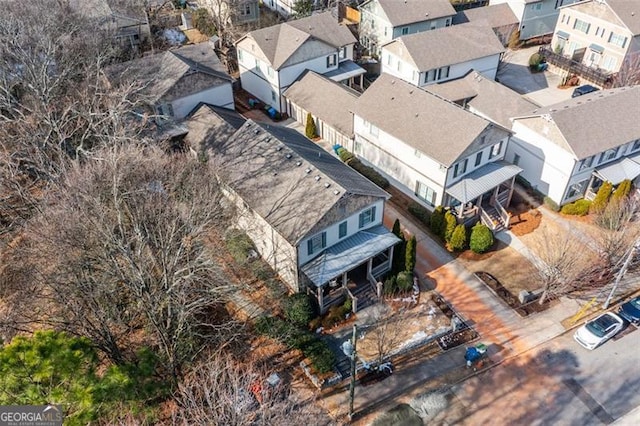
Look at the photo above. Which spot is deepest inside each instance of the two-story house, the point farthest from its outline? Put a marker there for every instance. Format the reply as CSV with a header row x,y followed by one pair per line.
x,y
235,12
271,59
500,17
537,17
315,220
384,20
568,149
434,150
601,34
443,54
283,8
174,82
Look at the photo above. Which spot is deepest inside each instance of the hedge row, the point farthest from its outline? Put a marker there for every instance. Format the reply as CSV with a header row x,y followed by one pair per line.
x,y
366,171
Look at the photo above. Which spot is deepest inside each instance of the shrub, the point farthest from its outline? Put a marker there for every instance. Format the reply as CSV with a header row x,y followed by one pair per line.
x,y
602,197
458,240
369,172
399,254
390,286
514,40
481,238
203,22
310,129
436,222
535,60
298,309
577,208
551,204
344,155
321,356
622,191
396,230
450,225
410,257
347,305
419,212
239,245
404,281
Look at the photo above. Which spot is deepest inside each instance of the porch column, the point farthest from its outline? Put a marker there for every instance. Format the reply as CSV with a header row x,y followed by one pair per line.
x,y
344,279
320,296
390,257
513,181
369,266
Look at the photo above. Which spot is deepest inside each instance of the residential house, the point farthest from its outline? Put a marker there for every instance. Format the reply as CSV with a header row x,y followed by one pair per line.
x,y
434,150
499,17
484,97
315,220
329,103
597,33
176,81
271,59
127,20
283,8
568,149
384,20
443,54
536,17
206,125
235,12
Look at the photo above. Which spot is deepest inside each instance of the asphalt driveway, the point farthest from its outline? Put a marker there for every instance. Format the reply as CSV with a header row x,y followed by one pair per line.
x,y
540,88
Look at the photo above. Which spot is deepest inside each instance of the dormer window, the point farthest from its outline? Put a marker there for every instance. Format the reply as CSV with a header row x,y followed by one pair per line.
x,y
343,52
331,61
405,30
460,168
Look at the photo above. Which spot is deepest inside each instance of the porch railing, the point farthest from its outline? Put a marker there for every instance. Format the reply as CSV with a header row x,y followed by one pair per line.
x,y
594,75
504,215
354,300
374,283
336,295
486,219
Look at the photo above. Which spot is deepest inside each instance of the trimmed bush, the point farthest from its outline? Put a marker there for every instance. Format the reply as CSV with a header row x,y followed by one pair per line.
x,y
622,191
203,22
535,60
298,309
577,208
481,238
396,230
602,197
399,254
369,172
450,224
458,240
239,245
419,212
551,204
436,222
310,129
410,257
404,281
344,155
390,286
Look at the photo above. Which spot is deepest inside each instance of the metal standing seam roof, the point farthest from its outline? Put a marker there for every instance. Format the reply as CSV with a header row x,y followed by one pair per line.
x,y
348,254
482,180
620,170
563,35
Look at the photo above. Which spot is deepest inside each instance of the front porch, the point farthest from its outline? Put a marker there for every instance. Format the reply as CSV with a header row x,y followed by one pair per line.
x,y
484,195
348,73
350,268
627,168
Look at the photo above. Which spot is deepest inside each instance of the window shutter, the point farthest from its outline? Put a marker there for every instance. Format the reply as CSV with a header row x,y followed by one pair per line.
x,y
373,214
309,247
324,239
361,220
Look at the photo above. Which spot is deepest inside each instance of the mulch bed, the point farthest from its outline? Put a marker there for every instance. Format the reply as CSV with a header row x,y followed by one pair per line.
x,y
465,334
512,301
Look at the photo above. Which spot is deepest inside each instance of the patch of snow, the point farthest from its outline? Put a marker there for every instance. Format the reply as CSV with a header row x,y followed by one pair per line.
x,y
174,36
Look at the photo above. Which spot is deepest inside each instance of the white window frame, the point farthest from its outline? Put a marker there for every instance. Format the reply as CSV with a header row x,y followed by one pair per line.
x,y
617,40
366,217
582,26
404,31
340,229
317,243
426,193
496,150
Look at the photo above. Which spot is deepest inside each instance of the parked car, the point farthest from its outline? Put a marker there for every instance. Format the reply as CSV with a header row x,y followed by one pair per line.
x,y
597,331
630,311
583,90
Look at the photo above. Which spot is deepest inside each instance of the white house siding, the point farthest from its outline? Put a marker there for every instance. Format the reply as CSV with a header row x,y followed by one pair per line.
x,y
407,72
537,18
546,166
419,27
332,231
612,57
272,246
282,7
221,96
486,158
325,131
258,87
398,160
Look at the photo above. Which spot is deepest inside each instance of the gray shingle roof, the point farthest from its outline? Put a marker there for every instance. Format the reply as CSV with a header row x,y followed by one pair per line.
x,y
106,8
267,167
629,12
446,46
172,74
436,127
280,42
208,125
410,11
618,12
497,15
486,97
324,98
597,121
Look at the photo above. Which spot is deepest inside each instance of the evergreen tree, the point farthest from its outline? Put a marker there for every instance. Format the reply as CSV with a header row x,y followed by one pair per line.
x,y
310,130
458,238
410,258
450,224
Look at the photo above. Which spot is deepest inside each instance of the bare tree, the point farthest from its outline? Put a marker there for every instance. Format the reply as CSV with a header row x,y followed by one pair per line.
x,y
629,72
126,243
383,331
221,390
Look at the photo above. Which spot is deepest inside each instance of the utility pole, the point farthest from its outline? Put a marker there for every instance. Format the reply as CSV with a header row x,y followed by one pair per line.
x,y
352,385
621,273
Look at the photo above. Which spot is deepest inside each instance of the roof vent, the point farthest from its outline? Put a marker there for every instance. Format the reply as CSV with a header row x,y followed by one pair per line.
x,y
256,131
278,148
288,156
317,178
336,192
275,173
411,92
307,170
417,115
298,163
267,139
393,97
393,82
327,184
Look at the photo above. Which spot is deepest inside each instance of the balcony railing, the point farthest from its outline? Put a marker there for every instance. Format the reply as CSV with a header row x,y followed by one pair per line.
x,y
595,75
